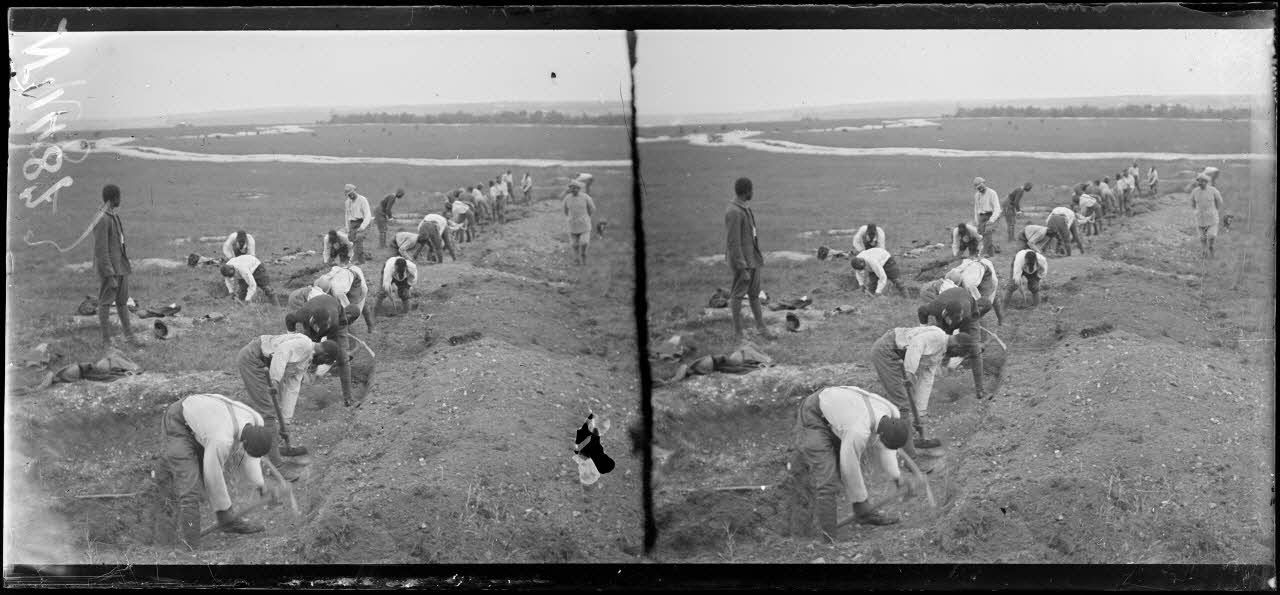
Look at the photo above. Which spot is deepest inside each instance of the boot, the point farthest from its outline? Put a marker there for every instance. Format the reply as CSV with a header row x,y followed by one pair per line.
x,y
825,511
189,525
124,314
228,524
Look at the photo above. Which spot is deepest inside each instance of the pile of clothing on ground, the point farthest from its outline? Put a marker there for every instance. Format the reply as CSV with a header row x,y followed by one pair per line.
x,y
744,359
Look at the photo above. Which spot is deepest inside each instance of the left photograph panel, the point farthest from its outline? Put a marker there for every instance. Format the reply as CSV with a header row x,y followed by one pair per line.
x,y
335,297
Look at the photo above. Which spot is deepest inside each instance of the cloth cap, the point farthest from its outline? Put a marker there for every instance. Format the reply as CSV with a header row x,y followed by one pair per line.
x,y
257,441
575,184
227,270
1202,176
977,181
349,187
857,262
893,432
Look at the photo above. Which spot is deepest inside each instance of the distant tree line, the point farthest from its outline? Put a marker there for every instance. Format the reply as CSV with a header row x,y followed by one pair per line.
x,y
1163,110
459,117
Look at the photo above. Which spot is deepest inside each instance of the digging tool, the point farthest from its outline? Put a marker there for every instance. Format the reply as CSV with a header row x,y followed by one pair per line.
x,y
731,488
901,493
259,504
915,416
289,450
288,487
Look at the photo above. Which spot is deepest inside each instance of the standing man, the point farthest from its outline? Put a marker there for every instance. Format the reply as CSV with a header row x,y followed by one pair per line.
x,y
238,243
1133,172
398,278
579,207
742,252
434,231
986,211
383,216
1207,202
358,219
272,367
481,202
1153,180
526,185
1029,267
868,236
880,262
510,183
500,201
320,317
1109,204
248,272
1013,207
835,428
111,262
906,360
202,435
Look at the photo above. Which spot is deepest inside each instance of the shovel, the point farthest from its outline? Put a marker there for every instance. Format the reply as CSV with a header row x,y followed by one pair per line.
x,y
922,442
262,502
288,450
900,493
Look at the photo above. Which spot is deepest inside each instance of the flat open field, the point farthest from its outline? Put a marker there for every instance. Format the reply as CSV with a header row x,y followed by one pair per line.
x,y
1008,134
1149,443
459,453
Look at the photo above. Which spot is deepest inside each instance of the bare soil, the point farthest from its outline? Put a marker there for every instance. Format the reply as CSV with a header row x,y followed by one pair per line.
x,y
1146,438
459,453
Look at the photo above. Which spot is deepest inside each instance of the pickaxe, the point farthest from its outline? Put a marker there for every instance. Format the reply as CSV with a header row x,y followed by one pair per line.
x,y
261,502
899,493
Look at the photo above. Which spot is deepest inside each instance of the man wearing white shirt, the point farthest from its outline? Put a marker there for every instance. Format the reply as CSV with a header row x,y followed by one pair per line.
x,y
978,277
398,277
1090,213
835,429
359,217
510,183
405,242
1062,225
878,261
272,367
906,359
203,435
481,202
460,214
348,285
1029,268
868,236
247,273
1132,172
1036,237
965,238
1153,180
986,211
500,202
1124,187
526,186
1108,196
434,231
238,243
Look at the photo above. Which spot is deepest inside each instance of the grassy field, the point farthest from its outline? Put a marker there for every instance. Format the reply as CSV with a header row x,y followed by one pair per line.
x,y
1089,452
460,451
1011,134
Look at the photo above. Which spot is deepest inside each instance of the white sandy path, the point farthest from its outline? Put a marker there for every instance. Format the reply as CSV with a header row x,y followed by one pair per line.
x,y
745,139
121,146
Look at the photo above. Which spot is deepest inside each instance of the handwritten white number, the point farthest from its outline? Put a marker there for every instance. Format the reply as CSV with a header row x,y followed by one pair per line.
x,y
49,196
42,163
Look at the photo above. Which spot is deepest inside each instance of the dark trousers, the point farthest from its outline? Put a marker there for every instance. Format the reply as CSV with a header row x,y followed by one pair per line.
x,y
253,367
184,458
119,295
260,277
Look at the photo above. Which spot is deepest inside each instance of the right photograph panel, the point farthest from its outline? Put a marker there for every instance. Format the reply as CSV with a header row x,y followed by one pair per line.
x,y
949,296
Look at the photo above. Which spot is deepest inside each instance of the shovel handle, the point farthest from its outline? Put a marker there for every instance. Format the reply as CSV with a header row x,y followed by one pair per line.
x,y
251,508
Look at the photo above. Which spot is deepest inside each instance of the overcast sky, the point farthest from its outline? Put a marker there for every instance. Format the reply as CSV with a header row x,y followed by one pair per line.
x,y
681,72
144,74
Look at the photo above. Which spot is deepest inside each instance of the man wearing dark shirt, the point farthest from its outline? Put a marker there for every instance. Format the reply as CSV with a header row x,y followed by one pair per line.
x,y
742,253
1014,206
111,262
956,310
321,318
382,216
